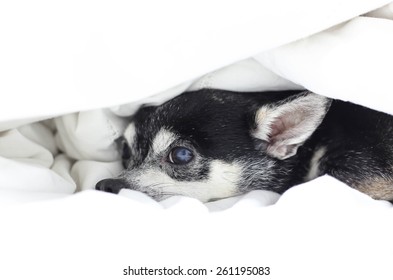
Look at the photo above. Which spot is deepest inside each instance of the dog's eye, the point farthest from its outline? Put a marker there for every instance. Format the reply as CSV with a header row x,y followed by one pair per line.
x,y
180,155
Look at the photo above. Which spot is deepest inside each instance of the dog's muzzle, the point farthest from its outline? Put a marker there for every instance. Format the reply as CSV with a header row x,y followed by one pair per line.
x,y
111,185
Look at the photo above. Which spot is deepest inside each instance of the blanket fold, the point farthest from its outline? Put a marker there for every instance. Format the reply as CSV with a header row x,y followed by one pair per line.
x,y
349,61
73,73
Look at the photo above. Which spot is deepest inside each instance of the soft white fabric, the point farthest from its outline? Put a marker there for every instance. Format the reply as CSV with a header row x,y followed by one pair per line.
x,y
351,62
315,231
84,55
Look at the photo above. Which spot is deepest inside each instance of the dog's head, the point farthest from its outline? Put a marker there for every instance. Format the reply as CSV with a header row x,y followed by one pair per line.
x,y
212,144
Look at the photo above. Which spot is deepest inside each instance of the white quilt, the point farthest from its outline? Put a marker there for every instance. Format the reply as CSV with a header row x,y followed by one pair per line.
x,y
60,65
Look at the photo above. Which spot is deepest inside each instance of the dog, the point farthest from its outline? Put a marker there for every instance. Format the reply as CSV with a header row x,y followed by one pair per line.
x,y
212,144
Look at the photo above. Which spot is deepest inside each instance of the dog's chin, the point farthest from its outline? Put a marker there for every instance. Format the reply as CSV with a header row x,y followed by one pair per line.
x,y
163,197
169,196
159,197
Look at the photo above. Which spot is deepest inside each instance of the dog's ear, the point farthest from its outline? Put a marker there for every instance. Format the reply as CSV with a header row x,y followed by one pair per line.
x,y
284,126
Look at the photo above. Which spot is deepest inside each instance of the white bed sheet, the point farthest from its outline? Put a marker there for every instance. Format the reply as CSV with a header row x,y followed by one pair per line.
x,y
319,230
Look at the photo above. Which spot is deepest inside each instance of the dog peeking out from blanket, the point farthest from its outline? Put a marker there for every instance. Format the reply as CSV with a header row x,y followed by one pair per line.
x,y
212,144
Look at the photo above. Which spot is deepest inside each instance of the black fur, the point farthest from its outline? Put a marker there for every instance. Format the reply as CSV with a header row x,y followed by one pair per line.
x,y
359,142
217,124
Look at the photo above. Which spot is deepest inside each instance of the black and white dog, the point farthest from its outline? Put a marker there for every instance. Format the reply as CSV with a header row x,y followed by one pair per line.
x,y
211,144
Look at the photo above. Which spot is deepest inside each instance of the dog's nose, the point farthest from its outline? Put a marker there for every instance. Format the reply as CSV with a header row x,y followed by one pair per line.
x,y
111,185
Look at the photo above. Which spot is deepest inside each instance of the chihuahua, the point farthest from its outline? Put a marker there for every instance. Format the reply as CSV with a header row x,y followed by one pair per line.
x,y
211,144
